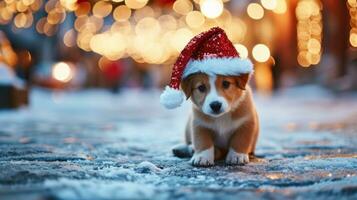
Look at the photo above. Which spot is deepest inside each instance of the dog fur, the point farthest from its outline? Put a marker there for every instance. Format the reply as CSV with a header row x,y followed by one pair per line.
x,y
232,131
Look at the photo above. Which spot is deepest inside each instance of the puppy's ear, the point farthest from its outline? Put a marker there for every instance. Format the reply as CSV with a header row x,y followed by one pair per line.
x,y
187,87
242,80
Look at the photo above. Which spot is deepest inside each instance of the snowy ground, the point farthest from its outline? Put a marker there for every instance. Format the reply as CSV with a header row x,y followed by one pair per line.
x,y
94,145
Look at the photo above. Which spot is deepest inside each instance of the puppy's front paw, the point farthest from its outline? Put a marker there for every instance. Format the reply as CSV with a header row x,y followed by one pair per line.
x,y
234,158
203,158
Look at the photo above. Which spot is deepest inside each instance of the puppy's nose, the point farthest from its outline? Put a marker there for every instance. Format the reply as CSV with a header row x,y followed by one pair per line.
x,y
215,106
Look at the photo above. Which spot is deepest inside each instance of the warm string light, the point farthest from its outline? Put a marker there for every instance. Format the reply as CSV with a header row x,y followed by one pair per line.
x,y
352,7
309,32
139,31
146,34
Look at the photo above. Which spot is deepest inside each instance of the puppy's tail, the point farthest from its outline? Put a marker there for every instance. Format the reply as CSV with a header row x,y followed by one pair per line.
x,y
182,151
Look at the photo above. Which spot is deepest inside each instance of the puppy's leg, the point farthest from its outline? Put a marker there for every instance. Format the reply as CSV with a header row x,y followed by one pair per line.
x,y
185,150
241,143
256,134
188,131
203,147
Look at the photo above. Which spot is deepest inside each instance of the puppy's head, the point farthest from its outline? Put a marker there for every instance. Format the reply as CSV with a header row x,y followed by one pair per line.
x,y
214,95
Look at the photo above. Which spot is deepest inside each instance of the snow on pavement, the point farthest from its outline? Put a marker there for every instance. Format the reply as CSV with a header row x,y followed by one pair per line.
x,y
95,145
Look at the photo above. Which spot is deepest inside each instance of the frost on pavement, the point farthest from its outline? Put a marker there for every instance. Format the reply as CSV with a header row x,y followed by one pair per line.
x,y
94,145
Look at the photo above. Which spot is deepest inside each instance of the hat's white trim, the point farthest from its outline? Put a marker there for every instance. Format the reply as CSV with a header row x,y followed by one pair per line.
x,y
171,98
220,66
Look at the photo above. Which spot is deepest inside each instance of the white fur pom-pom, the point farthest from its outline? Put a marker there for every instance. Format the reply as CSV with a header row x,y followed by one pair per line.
x,y
171,98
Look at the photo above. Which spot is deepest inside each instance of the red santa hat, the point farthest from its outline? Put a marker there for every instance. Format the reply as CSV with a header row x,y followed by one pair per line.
x,y
210,52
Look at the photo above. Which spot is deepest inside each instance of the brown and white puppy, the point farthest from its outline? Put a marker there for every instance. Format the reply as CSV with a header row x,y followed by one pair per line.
x,y
224,122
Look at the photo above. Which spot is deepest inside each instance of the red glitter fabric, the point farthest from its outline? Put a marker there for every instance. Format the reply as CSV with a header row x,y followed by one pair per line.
x,y
213,43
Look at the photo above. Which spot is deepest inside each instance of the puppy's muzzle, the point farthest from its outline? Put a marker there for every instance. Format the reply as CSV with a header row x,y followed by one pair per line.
x,y
216,107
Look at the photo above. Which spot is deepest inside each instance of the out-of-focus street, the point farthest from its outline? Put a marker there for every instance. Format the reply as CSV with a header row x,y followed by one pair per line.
x,y
96,145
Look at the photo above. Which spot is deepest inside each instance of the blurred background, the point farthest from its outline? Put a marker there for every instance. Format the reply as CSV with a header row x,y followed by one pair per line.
x,y
116,44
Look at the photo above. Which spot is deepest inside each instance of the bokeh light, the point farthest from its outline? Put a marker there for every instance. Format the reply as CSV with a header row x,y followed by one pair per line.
x,y
195,19
261,53
309,32
136,4
102,9
269,4
61,71
281,7
255,11
242,50
353,39
69,38
211,8
121,13
182,6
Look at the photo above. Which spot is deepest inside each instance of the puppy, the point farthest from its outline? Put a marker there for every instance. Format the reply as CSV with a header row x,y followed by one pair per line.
x,y
224,122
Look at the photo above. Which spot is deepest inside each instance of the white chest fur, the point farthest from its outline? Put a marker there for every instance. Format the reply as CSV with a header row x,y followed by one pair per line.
x,y
223,128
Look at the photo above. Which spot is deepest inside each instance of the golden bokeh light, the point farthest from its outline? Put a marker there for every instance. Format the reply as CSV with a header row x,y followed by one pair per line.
x,y
242,50
36,5
20,6
102,9
302,59
122,13
309,32
84,39
255,11
211,8
70,5
313,46
111,45
195,19
353,39
28,2
281,7
148,26
307,8
40,24
123,27
269,4
261,53
49,29
62,72
69,38
182,7
56,16
237,30
20,20
352,3
136,4
143,12
83,9
181,37
167,22
225,19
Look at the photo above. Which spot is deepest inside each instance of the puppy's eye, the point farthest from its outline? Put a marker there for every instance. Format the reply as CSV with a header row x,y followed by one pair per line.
x,y
202,88
226,84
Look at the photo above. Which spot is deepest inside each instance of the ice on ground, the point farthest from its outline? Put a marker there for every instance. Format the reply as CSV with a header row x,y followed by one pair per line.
x,y
97,189
95,145
147,167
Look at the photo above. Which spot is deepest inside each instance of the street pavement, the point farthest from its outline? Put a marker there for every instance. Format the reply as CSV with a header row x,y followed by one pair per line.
x,y
95,145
